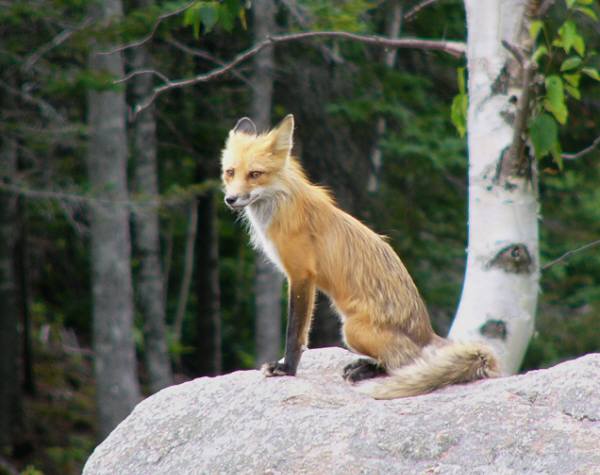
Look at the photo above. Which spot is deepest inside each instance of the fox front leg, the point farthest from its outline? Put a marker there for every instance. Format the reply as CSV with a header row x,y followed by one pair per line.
x,y
301,302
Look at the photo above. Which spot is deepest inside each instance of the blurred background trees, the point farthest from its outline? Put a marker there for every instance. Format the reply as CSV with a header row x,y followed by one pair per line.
x,y
196,280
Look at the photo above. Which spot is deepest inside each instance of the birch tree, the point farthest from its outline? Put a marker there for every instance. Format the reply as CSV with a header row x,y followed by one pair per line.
x,y
500,290
114,363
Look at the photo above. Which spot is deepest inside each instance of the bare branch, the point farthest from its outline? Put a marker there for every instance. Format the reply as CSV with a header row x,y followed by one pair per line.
x,y
45,107
581,153
544,8
139,72
522,114
414,11
515,51
199,53
149,36
454,48
570,253
56,41
304,19
137,204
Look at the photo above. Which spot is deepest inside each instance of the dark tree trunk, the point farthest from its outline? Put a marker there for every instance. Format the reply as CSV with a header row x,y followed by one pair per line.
x,y
115,362
392,30
268,281
22,276
325,330
10,387
150,280
208,358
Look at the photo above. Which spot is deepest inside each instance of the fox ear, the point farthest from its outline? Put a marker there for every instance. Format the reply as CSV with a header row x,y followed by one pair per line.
x,y
244,126
283,135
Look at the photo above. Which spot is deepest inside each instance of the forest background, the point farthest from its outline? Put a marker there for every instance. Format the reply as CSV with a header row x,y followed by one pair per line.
x,y
356,106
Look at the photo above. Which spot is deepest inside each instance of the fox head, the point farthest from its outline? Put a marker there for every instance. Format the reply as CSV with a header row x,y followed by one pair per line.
x,y
253,164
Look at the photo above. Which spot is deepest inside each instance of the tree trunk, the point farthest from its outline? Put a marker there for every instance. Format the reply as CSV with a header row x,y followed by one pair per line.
x,y
499,296
150,281
188,271
208,358
268,280
115,363
22,274
392,30
10,388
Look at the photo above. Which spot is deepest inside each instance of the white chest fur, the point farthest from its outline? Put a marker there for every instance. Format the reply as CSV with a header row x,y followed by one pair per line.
x,y
259,217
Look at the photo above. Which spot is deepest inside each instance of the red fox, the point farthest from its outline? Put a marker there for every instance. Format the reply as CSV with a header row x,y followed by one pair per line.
x,y
319,246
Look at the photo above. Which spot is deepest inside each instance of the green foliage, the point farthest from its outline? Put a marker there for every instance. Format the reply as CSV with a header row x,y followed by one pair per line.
x,y
554,101
561,54
206,15
31,470
345,15
460,105
543,132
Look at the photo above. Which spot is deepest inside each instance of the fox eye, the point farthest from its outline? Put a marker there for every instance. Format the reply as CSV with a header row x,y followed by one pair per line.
x,y
229,172
255,174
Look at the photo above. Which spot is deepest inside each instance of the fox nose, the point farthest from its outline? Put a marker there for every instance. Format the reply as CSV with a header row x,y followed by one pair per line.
x,y
230,200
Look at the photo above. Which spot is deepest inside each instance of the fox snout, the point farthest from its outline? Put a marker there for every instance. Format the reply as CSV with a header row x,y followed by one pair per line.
x,y
237,202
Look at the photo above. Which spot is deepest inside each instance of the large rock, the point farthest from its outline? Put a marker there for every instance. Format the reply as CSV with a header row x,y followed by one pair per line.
x,y
543,422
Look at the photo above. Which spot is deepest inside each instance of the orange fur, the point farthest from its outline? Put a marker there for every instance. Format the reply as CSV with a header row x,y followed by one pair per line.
x,y
317,245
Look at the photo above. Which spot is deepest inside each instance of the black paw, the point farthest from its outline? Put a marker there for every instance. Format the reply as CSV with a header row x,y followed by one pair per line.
x,y
277,369
362,369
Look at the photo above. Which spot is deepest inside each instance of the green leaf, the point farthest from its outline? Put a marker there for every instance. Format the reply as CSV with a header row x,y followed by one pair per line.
x,y
535,28
579,45
460,79
458,113
567,33
228,13
209,13
588,12
556,152
541,51
543,132
573,91
458,110
560,111
554,89
585,2
572,79
570,3
591,72
191,17
555,99
243,20
570,63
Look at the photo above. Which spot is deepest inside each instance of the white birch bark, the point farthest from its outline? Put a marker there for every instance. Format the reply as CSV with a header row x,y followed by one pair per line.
x,y
499,295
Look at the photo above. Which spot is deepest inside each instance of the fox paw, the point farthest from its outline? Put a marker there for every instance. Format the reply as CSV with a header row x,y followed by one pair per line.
x,y
276,369
362,369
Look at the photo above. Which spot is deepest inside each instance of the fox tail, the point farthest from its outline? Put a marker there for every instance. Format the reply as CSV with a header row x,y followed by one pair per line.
x,y
453,363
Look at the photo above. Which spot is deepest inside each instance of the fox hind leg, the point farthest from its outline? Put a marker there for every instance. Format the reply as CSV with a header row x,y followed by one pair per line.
x,y
362,369
387,346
